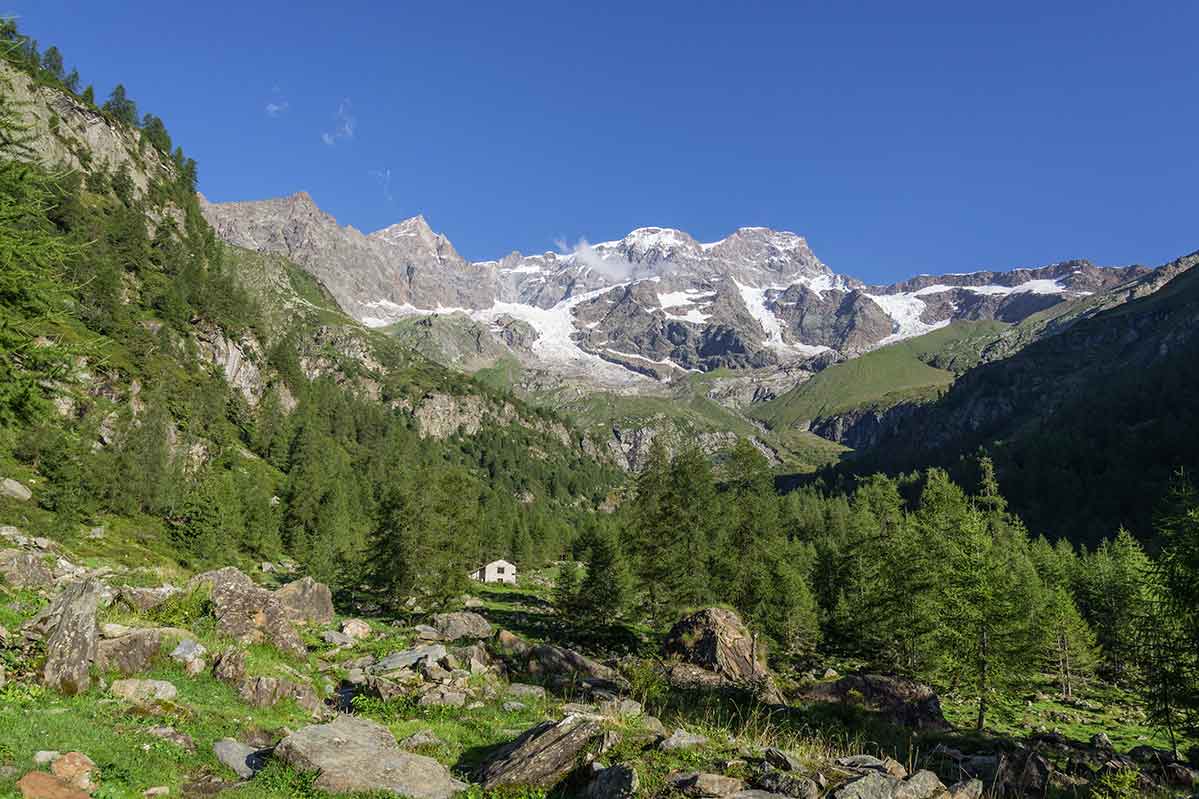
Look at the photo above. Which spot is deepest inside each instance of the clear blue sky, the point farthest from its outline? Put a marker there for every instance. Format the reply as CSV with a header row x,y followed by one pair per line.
x,y
900,138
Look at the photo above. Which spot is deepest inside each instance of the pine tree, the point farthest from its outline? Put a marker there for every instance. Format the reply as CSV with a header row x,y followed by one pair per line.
x,y
605,592
120,107
52,62
989,631
1072,651
566,587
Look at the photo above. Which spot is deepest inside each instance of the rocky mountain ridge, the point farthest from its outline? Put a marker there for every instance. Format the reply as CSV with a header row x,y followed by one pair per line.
x,y
655,304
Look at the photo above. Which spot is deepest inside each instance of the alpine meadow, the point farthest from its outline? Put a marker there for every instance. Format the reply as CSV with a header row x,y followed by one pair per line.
x,y
288,509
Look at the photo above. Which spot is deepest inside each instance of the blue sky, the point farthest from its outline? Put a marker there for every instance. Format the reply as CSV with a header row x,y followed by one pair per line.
x,y
900,138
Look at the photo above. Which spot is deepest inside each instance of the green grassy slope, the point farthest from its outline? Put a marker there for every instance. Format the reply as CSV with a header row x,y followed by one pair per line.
x,y
913,370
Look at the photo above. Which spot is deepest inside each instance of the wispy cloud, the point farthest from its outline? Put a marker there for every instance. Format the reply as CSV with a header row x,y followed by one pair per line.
x,y
612,266
277,105
345,123
383,178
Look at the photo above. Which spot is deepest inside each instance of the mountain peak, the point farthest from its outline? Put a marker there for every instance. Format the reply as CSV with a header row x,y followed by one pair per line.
x,y
410,228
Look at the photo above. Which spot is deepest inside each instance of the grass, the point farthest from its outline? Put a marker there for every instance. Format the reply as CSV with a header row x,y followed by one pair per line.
x,y
900,372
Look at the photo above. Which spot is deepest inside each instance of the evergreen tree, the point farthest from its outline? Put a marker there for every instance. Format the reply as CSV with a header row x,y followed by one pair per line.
x,y
566,587
89,96
605,592
52,62
1072,652
120,107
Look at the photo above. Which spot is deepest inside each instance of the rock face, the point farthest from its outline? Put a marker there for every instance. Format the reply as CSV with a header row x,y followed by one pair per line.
x,y
24,569
354,754
717,641
655,303
543,755
454,626
72,636
248,613
307,601
901,700
130,653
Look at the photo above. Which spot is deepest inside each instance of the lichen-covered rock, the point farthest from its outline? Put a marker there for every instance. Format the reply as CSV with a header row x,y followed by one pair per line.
x,y
248,613
230,666
69,627
146,599
716,640
24,569
307,601
130,653
454,626
144,691
899,699
354,754
78,770
615,782
543,755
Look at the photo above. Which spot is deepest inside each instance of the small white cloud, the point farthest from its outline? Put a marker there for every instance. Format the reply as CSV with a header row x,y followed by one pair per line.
x,y
274,109
612,266
345,123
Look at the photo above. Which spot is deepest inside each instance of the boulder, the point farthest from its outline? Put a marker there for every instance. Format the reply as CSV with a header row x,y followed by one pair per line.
x,y
146,599
230,666
307,601
355,754
12,489
680,740
873,786
24,569
526,691
409,658
246,761
130,653
786,783
620,708
923,784
1024,772
455,626
900,700
248,613
189,650
864,763
560,667
784,761
77,770
715,639
69,626
443,697
356,629
421,739
543,755
336,638
703,785
267,691
968,789
40,785
144,691
615,782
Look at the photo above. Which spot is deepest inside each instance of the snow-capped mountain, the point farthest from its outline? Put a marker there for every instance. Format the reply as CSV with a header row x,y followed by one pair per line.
x,y
656,303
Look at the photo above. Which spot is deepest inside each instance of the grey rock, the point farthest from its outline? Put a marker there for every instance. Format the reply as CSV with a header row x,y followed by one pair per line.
x,y
681,740
872,786
543,755
526,691
250,614
787,783
513,707
45,757
408,658
355,754
716,640
421,739
782,760
704,785
246,761
307,601
614,782
129,654
14,490
923,784
146,599
967,789
69,627
24,569
455,626
188,650
180,739
336,638
144,691
620,708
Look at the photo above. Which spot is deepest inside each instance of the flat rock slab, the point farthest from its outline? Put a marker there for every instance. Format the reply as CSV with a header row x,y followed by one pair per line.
x,y
409,658
872,786
543,755
140,691
681,740
355,754
246,761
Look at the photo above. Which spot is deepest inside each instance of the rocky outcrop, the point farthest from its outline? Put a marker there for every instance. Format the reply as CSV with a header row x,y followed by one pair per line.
x,y
307,601
559,667
129,654
238,361
353,754
455,626
247,613
716,640
24,569
68,626
543,755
